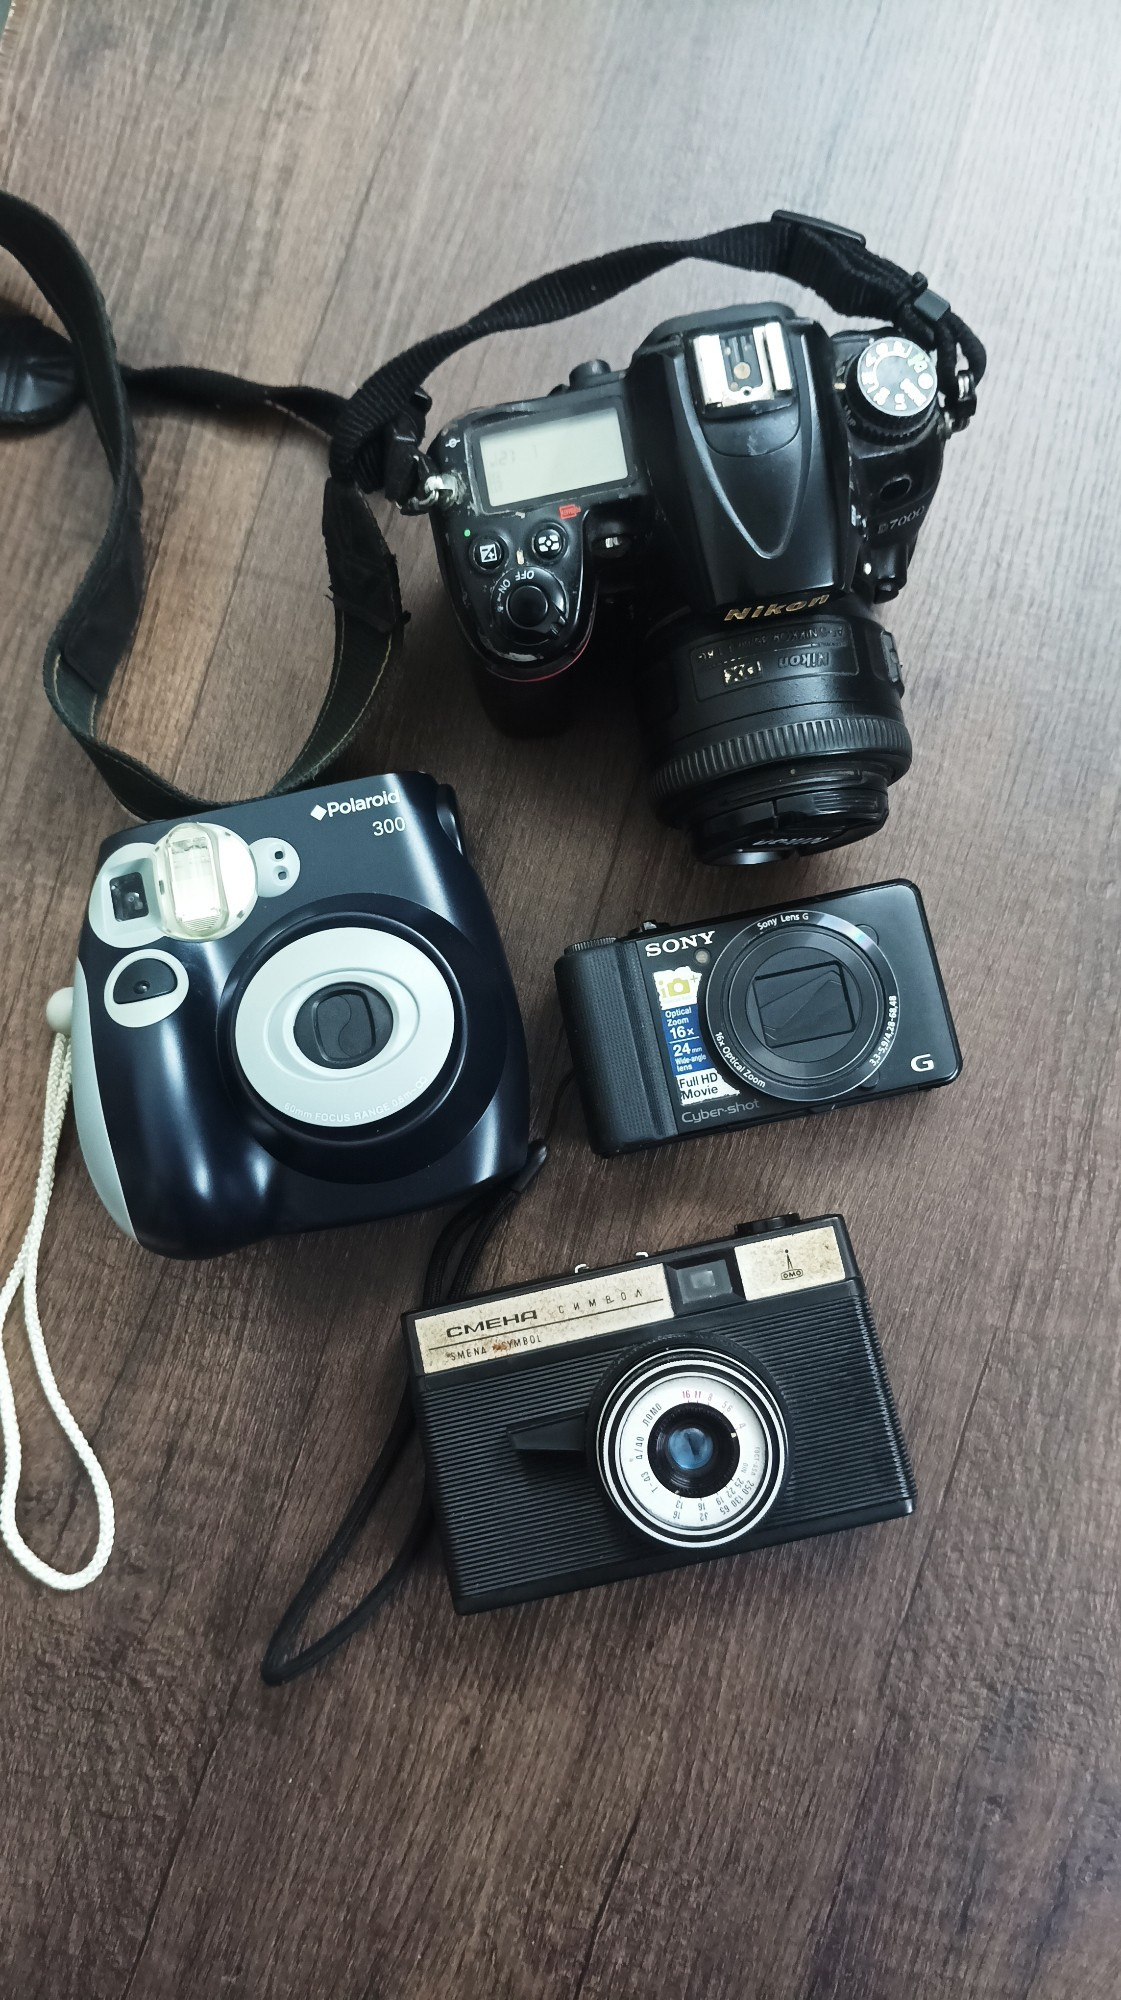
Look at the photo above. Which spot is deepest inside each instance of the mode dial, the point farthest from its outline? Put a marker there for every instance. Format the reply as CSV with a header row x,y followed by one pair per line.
x,y
891,387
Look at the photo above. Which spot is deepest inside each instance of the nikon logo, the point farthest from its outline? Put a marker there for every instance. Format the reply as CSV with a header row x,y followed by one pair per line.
x,y
473,1327
355,805
738,613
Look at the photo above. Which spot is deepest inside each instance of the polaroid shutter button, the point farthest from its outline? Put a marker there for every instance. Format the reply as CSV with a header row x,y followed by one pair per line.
x,y
144,979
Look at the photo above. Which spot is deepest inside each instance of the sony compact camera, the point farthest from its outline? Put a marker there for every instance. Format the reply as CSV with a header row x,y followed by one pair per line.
x,y
665,1411
293,1013
726,510
687,1028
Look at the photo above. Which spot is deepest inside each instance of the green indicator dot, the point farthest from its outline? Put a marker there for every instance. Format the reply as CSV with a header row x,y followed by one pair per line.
x,y
467,532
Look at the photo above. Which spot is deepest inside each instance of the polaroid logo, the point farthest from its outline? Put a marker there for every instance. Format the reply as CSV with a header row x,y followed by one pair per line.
x,y
665,947
355,805
471,1328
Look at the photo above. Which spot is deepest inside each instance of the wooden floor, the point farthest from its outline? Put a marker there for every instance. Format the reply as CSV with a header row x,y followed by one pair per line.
x,y
884,1766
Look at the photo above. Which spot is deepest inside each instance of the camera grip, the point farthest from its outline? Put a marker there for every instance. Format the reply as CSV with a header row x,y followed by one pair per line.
x,y
618,1066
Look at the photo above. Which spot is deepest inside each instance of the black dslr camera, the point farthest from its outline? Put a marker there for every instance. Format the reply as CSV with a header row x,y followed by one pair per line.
x,y
687,1028
697,1404
729,507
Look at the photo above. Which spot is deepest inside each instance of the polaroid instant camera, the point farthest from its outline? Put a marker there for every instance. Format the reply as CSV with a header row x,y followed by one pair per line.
x,y
293,1013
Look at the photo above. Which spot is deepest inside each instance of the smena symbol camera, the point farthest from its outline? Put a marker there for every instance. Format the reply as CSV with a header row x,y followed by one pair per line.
x,y
736,500
700,1403
683,1029
294,1013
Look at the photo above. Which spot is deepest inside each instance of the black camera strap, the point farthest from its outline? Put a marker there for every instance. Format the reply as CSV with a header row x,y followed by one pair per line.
x,y
451,1266
42,376
833,262
375,444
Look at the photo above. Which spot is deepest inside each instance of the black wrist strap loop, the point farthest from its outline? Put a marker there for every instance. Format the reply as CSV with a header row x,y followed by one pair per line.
x,y
278,1664
833,262
447,1277
41,377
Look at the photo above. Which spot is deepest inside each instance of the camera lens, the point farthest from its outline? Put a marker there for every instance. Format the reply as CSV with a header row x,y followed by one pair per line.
x,y
773,734
694,1450
802,1007
691,1446
689,1449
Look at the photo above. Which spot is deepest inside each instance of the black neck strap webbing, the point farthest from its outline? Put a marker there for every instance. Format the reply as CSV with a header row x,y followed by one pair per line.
x,y
375,443
41,377
833,262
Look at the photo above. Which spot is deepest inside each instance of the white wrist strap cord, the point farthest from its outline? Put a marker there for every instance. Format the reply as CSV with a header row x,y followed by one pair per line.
x,y
25,1272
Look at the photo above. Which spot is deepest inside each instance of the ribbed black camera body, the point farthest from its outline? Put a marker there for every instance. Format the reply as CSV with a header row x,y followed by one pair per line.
x,y
676,1408
682,1029
734,501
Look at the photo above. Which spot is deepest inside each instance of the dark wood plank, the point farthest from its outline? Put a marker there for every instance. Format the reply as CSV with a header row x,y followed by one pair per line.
x,y
885,1766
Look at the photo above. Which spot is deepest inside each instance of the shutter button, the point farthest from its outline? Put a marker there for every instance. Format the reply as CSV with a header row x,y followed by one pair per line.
x,y
528,608
144,979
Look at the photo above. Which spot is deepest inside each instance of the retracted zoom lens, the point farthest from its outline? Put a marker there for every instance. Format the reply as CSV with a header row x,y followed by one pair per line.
x,y
772,733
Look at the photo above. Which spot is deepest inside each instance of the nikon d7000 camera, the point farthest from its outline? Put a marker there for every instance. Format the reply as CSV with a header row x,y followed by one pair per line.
x,y
733,503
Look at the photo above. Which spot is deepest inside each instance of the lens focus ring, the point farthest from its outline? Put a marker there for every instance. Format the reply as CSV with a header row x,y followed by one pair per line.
x,y
826,736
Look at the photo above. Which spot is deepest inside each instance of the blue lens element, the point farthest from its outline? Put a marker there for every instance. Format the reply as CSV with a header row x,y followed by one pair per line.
x,y
689,1448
